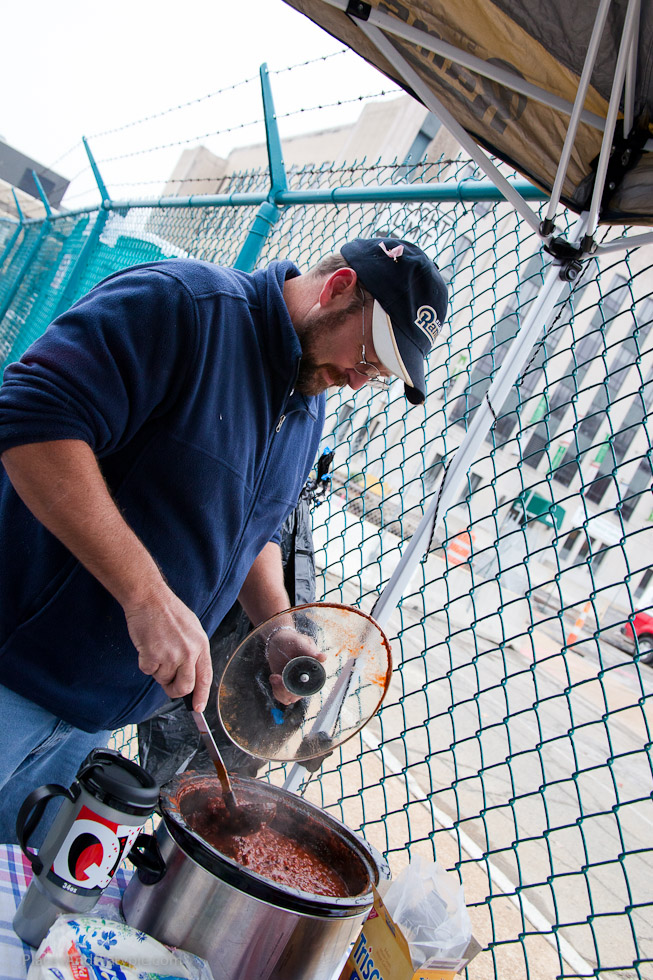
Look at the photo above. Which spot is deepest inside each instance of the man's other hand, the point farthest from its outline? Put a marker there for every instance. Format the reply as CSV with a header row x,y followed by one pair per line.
x,y
284,644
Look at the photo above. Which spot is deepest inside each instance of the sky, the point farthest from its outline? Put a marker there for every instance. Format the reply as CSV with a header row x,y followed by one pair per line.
x,y
84,68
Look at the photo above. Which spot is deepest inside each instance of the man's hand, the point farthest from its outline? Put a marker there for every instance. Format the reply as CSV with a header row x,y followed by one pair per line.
x,y
172,646
284,644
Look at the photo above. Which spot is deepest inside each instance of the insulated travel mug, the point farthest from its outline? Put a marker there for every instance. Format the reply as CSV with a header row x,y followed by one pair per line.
x,y
98,822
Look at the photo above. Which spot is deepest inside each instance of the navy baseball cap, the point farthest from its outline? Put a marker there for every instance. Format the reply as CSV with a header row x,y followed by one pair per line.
x,y
410,305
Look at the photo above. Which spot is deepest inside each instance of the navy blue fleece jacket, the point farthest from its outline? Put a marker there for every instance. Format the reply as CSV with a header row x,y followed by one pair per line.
x,y
180,376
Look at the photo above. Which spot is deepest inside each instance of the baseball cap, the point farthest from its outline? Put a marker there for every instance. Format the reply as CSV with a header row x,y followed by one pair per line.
x,y
409,309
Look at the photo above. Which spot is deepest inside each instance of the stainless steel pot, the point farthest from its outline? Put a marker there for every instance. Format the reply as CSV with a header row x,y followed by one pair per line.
x,y
247,926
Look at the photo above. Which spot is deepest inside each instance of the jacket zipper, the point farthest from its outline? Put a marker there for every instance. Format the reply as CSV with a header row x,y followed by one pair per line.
x,y
277,428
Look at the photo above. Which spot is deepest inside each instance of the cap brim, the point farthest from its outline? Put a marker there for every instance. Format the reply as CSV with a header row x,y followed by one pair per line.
x,y
389,355
385,345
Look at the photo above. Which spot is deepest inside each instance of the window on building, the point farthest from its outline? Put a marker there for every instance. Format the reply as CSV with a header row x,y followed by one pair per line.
x,y
592,550
473,481
566,387
365,434
643,583
569,543
639,485
432,472
597,489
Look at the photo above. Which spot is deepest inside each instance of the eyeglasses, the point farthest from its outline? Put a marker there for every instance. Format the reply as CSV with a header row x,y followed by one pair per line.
x,y
367,370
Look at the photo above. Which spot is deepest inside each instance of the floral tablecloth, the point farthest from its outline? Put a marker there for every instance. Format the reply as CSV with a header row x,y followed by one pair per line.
x,y
15,876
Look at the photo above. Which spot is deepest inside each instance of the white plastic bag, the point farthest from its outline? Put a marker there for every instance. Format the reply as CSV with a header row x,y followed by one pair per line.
x,y
428,904
90,947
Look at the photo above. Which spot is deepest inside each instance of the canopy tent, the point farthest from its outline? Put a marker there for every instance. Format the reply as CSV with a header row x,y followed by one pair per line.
x,y
537,85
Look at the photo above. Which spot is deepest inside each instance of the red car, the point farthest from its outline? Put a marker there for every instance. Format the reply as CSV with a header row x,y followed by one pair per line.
x,y
642,628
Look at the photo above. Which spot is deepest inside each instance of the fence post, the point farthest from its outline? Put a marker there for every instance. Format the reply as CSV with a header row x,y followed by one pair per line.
x,y
42,195
268,213
33,252
70,292
106,200
12,241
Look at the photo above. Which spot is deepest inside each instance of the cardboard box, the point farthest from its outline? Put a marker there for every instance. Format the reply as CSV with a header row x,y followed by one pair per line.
x,y
381,953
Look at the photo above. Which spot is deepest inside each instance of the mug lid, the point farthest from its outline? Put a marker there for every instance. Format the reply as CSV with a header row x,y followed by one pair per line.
x,y
118,781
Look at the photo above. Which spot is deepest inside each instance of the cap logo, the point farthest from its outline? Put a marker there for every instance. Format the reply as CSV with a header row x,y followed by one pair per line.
x,y
428,323
392,253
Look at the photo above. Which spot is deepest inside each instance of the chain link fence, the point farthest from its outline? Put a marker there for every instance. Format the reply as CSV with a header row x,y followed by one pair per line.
x,y
515,741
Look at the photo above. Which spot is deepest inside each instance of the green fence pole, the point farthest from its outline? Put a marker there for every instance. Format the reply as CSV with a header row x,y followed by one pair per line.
x,y
465,190
106,200
69,294
268,213
42,195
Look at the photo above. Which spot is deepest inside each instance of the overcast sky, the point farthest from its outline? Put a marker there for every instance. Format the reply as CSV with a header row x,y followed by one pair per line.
x,y
80,67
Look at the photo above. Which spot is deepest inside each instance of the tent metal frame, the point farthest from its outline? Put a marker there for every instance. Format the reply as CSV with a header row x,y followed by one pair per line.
x,y
564,266
376,24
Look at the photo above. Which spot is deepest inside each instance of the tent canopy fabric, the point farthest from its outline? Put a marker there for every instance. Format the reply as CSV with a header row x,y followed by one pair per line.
x,y
545,45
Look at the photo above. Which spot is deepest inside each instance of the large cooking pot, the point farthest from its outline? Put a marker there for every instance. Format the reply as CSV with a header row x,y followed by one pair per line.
x,y
243,923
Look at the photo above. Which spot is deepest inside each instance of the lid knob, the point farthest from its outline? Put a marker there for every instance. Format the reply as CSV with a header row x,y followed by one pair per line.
x,y
303,676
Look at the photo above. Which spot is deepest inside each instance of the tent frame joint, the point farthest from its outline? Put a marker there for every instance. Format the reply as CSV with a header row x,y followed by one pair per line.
x,y
569,256
359,9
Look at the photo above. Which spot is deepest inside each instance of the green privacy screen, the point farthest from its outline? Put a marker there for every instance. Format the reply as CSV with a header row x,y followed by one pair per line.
x,y
515,741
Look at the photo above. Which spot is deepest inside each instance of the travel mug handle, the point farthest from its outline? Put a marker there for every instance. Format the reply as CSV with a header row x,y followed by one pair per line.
x,y
30,814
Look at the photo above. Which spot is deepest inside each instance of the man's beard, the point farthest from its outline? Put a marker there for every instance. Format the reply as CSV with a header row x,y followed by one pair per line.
x,y
310,380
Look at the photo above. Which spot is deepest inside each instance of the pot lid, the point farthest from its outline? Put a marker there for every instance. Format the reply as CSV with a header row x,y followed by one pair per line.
x,y
332,661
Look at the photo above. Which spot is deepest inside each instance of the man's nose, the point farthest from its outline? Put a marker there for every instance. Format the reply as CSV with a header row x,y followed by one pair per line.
x,y
355,380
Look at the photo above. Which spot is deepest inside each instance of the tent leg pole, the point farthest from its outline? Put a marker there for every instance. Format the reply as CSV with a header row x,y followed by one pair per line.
x,y
583,85
627,38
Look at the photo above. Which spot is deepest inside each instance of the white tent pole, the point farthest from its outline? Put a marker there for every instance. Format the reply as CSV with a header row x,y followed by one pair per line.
x,y
631,76
482,420
536,319
386,48
625,242
631,24
391,25
583,85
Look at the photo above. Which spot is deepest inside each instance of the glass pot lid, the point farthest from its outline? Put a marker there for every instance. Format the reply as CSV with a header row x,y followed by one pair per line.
x,y
334,662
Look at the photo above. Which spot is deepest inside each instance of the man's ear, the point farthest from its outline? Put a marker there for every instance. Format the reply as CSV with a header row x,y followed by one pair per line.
x,y
338,287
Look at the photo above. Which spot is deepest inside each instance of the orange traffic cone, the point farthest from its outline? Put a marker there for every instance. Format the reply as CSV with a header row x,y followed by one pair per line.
x,y
578,625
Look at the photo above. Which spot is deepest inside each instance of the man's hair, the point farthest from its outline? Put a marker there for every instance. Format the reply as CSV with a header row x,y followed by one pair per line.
x,y
330,264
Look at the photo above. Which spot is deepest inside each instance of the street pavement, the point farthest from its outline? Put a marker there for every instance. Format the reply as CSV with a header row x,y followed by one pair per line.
x,y
543,761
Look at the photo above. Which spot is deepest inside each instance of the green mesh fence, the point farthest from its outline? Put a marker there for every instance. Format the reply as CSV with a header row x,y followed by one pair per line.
x,y
515,742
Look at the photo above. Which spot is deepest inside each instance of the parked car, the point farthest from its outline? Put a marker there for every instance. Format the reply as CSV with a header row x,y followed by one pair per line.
x,y
642,629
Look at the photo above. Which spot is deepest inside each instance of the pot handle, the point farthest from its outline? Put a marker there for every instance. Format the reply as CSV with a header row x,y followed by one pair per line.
x,y
147,859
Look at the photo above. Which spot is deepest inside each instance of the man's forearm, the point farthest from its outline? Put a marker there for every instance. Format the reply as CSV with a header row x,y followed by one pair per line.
x,y
61,483
263,593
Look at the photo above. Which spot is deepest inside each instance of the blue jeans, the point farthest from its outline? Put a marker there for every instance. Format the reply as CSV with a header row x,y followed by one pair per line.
x,y
36,748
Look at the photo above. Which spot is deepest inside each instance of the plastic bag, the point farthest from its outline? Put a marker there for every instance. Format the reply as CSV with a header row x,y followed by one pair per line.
x,y
88,947
428,904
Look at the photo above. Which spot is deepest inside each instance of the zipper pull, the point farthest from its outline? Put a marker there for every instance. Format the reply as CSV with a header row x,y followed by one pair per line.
x,y
280,423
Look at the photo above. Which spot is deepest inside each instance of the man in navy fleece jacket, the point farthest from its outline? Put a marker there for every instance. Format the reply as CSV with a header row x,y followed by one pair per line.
x,y
153,441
